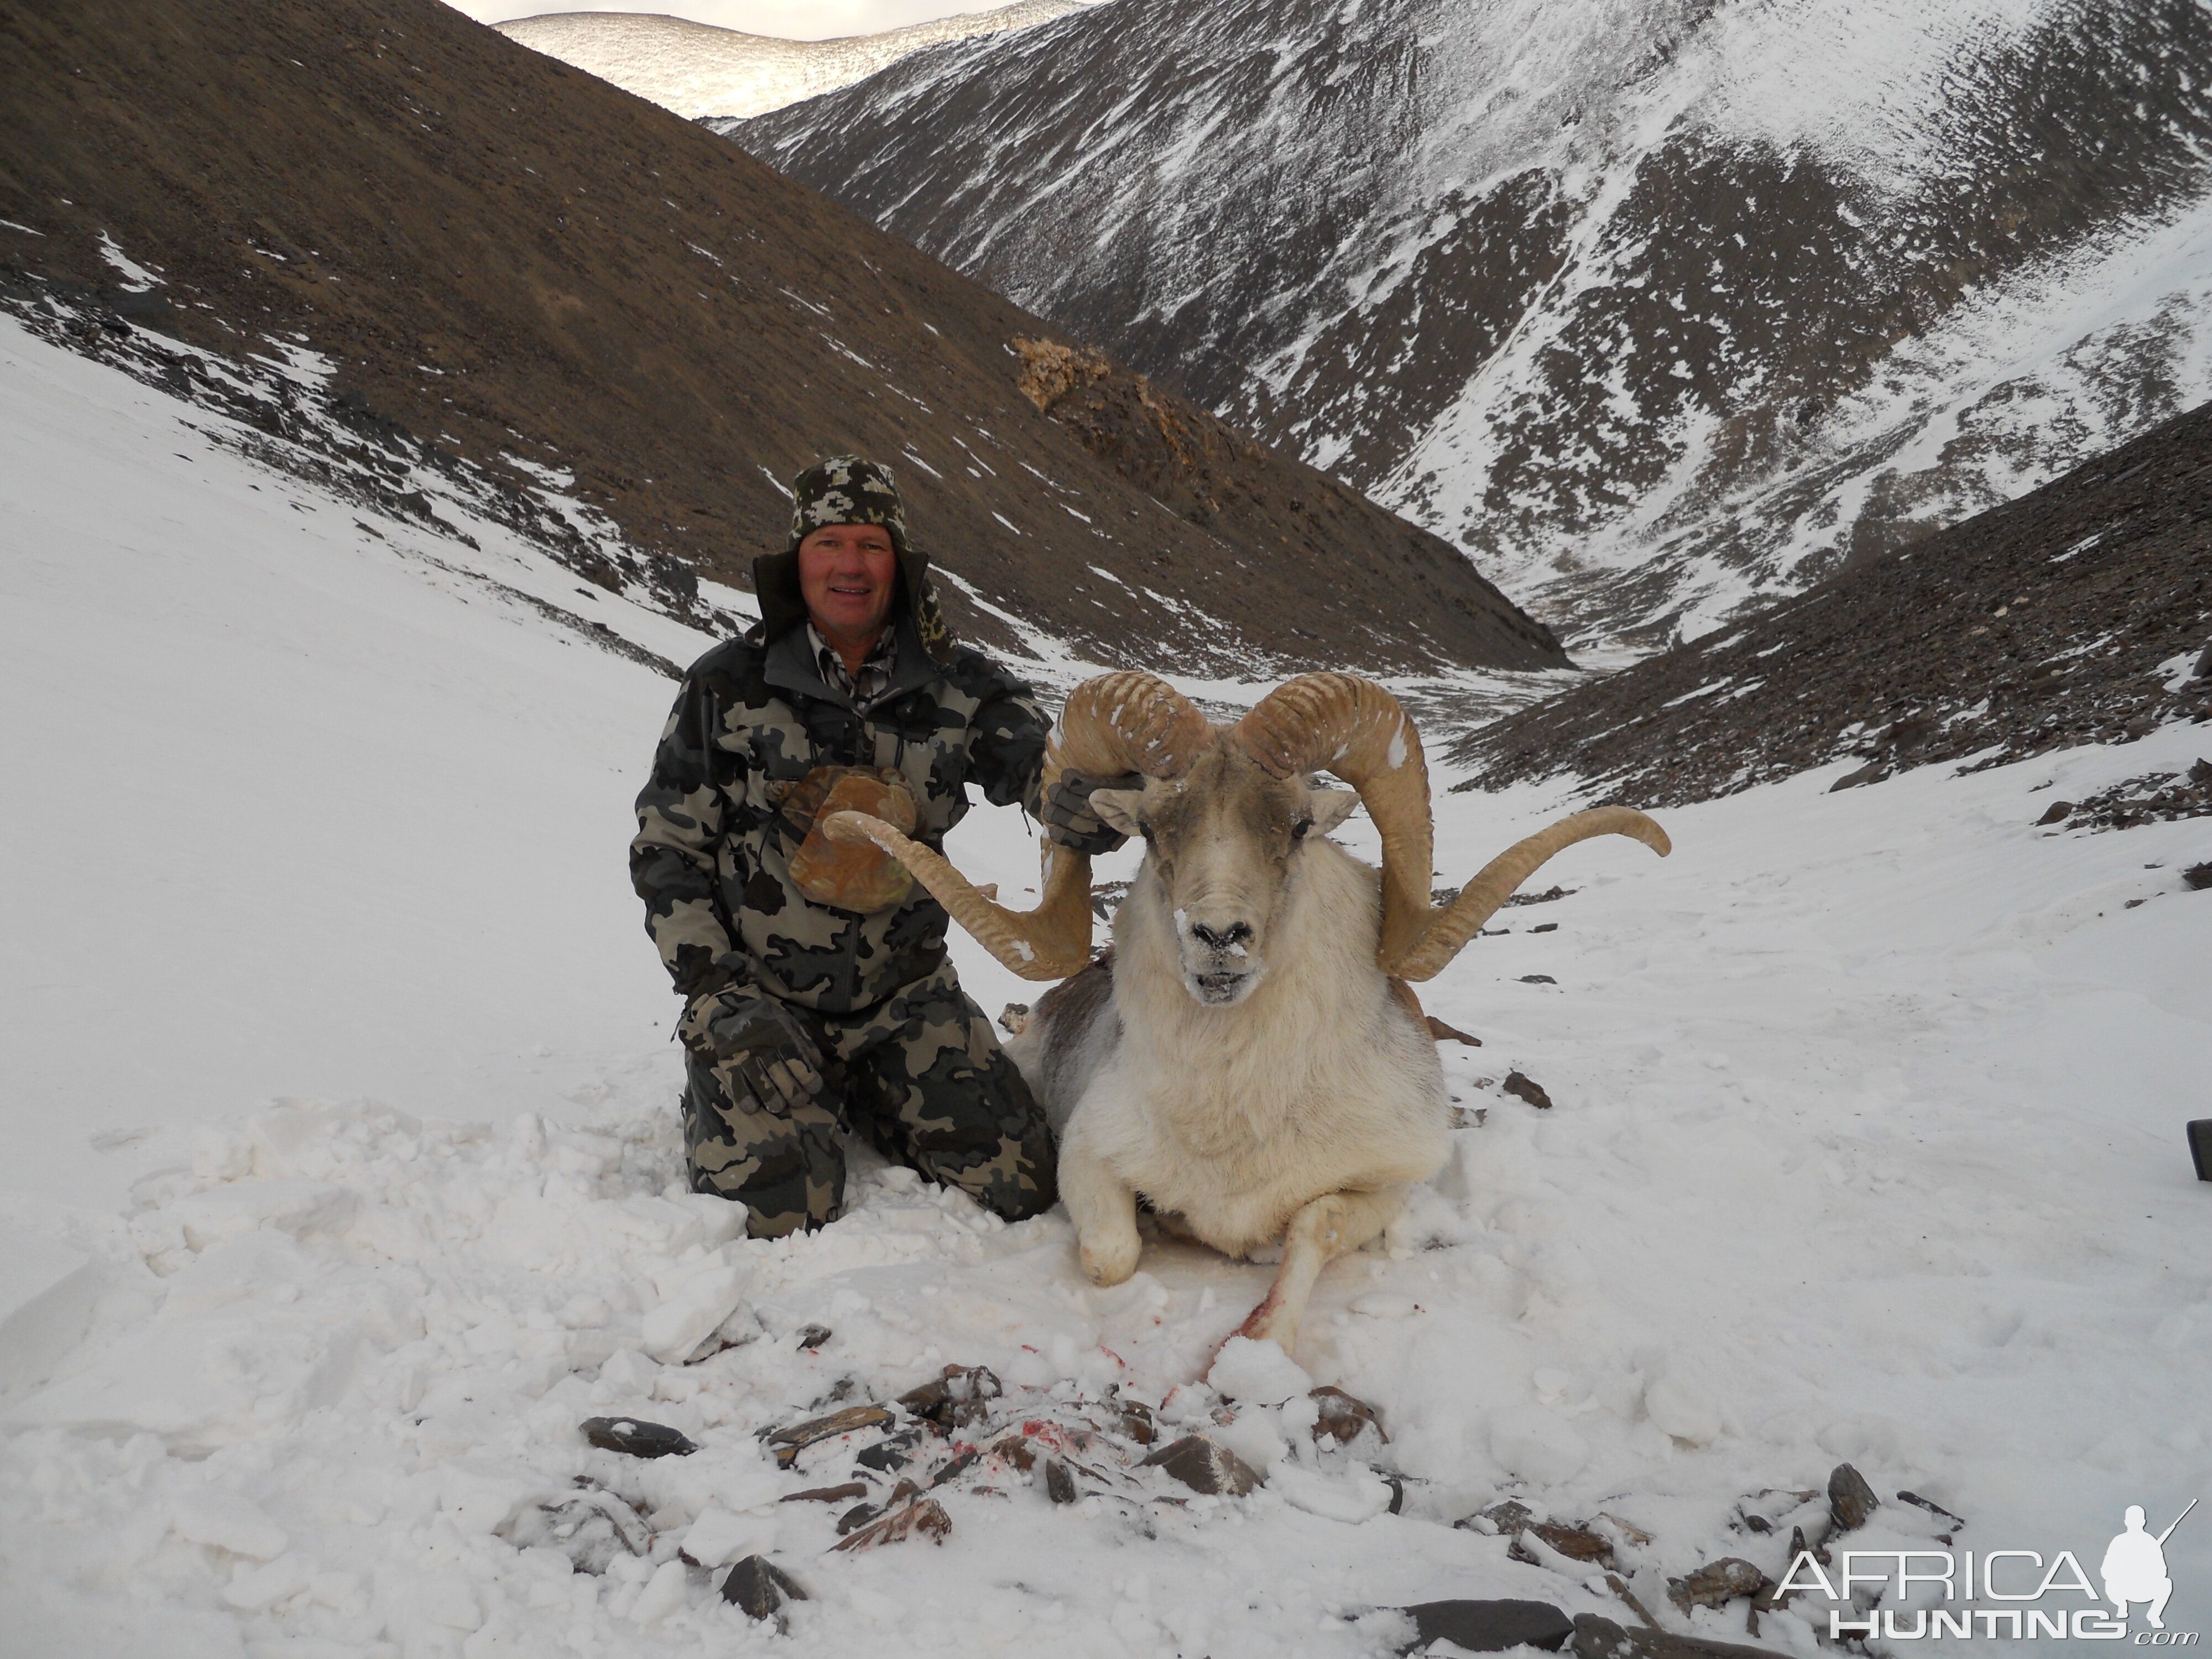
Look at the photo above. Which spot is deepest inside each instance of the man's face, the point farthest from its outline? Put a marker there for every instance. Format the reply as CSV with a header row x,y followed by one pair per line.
x,y
848,573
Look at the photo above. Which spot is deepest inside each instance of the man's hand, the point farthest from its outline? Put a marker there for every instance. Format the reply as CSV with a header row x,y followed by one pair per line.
x,y
757,1048
1070,823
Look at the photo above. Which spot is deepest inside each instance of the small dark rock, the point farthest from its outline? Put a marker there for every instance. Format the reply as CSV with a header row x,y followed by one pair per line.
x,y
1489,1626
1517,1083
1444,1033
2204,665
1017,1450
760,1588
956,1467
2057,812
2200,773
1850,1500
1059,1484
892,1453
1136,1421
2197,877
1538,979
1205,1467
813,1337
1546,927
1872,772
858,1515
1718,1584
1343,1416
961,1397
636,1438
925,1516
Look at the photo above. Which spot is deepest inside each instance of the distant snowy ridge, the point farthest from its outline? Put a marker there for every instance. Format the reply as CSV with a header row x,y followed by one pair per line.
x,y
697,69
1656,308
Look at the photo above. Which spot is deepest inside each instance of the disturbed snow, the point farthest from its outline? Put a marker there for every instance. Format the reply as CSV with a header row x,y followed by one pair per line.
x,y
1866,1144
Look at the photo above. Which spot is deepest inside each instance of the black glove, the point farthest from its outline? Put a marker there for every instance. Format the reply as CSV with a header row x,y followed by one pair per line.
x,y
1070,823
756,1048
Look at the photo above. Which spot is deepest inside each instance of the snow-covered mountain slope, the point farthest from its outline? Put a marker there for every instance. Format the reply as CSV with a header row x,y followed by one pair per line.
x,y
1659,305
502,257
342,1138
697,69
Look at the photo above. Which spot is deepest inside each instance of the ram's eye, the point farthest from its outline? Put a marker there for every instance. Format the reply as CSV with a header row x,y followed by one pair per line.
x,y
1145,830
1299,830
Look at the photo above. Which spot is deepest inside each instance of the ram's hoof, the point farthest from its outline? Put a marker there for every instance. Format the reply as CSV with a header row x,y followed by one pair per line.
x,y
1106,1266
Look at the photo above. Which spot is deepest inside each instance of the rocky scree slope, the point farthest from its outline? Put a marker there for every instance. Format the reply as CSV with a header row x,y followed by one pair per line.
x,y
475,252
697,69
2081,613
1657,306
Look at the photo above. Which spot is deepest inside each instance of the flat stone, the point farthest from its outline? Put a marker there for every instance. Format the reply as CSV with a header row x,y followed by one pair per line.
x,y
1850,1500
1538,979
827,1494
1205,1467
2057,812
636,1438
1059,1484
760,1587
1489,1626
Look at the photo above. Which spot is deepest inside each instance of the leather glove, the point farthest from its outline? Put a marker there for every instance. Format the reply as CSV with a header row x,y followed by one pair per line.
x,y
757,1048
1067,817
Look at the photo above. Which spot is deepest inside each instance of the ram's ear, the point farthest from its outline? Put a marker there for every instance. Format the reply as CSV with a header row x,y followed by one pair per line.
x,y
1329,807
1117,808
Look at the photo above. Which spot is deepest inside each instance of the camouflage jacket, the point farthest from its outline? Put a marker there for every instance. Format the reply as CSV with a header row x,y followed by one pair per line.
x,y
713,852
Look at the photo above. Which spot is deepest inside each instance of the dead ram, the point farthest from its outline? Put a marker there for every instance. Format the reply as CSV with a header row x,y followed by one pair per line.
x,y
1252,1061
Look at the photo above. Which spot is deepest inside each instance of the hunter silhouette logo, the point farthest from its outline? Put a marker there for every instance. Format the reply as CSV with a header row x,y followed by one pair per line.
x,y
2135,1567
1920,1594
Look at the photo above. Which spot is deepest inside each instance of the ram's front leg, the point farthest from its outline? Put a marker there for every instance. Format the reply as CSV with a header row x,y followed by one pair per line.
x,y
1326,1228
1103,1207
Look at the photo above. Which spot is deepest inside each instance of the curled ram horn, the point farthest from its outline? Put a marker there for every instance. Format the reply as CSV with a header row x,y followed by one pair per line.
x,y
1122,722
1352,727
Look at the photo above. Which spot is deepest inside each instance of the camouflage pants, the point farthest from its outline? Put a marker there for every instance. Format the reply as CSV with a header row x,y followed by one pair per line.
x,y
921,1075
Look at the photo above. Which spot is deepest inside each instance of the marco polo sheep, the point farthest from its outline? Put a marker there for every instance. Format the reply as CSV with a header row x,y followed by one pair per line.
x,y
1251,1061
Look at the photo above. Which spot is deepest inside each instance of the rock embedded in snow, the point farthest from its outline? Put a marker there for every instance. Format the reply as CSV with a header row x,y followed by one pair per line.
x,y
1205,1467
760,1588
1850,1500
1718,1584
1489,1626
636,1438
1339,1413
1257,1373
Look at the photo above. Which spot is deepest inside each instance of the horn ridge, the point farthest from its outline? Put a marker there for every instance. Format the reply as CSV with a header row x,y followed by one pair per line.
x,y
1126,721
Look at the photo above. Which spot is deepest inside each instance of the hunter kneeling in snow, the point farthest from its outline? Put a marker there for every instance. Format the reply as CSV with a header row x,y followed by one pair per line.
x,y
818,996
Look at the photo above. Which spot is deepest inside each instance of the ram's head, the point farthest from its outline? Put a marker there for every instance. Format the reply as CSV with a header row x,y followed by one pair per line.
x,y
1224,811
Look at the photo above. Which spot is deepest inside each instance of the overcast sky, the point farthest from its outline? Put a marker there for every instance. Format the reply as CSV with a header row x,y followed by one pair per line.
x,y
795,20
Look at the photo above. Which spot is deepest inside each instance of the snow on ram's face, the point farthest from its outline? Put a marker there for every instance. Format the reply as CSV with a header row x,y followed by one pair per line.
x,y
1865,1144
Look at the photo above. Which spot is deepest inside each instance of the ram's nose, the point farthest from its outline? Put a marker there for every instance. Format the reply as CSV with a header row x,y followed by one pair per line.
x,y
1227,938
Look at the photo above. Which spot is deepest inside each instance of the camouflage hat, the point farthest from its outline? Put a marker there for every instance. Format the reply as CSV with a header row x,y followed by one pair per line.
x,y
846,489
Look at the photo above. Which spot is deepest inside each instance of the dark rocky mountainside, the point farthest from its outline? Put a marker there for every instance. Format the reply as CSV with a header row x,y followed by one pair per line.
x,y
2081,613
1659,306
513,267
